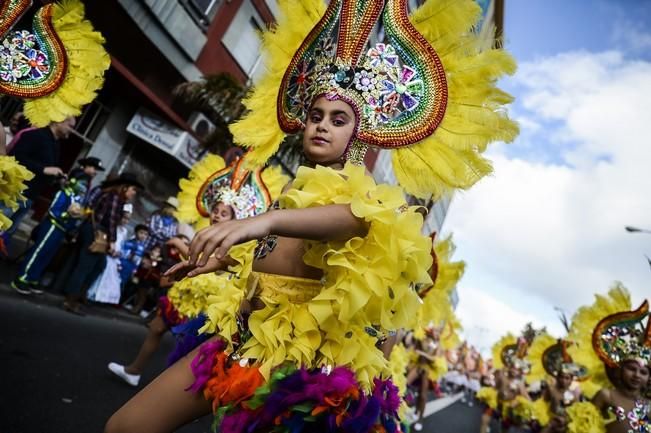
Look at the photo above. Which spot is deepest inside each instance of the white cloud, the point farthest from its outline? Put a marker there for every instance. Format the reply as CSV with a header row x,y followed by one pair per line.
x,y
539,235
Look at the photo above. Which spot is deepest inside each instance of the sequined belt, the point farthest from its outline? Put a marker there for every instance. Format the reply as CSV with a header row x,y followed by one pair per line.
x,y
272,287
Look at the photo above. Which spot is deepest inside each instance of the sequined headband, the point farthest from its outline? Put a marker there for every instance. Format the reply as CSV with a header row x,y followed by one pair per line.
x,y
237,187
513,355
556,360
397,89
624,336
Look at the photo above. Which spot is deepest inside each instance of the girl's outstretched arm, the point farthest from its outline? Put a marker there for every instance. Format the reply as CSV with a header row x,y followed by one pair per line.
x,y
322,223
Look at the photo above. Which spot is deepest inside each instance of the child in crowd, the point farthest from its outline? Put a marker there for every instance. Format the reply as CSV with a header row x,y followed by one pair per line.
x,y
63,218
147,278
107,287
132,252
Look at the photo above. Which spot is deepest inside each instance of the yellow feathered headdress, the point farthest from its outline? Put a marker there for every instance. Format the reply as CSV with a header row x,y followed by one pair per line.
x,y
511,351
535,355
584,322
58,66
210,181
429,93
549,357
509,340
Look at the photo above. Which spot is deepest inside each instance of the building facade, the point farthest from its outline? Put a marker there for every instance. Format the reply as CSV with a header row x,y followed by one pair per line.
x,y
134,124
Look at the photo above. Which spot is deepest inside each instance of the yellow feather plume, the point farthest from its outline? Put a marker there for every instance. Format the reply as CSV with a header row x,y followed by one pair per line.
x,y
87,61
534,356
496,350
584,322
451,158
259,129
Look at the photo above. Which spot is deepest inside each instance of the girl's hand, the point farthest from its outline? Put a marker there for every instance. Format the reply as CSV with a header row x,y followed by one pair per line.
x,y
219,238
186,269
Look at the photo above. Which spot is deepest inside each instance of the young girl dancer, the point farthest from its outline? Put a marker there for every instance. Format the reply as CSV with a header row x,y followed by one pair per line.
x,y
328,277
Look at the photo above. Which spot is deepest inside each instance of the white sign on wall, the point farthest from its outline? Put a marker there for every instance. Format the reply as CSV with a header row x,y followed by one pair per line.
x,y
167,137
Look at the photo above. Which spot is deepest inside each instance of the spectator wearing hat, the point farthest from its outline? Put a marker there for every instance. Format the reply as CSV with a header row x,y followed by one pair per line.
x,y
106,204
90,166
132,252
87,167
38,150
163,225
64,216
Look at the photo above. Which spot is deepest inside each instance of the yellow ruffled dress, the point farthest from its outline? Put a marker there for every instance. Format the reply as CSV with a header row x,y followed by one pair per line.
x,y
12,184
367,287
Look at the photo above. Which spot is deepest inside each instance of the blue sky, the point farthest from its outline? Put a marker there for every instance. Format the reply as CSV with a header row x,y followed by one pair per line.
x,y
547,229
539,28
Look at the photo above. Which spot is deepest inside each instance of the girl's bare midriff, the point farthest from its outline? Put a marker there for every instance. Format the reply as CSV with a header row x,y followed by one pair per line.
x,y
287,259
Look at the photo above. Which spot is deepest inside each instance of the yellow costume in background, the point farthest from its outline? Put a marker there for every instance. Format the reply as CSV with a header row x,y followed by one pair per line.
x,y
12,183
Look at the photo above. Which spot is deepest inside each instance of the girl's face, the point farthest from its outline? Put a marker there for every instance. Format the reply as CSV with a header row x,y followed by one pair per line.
x,y
221,212
634,375
328,130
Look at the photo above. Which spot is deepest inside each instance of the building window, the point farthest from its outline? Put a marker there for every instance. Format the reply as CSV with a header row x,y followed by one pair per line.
x,y
201,11
242,39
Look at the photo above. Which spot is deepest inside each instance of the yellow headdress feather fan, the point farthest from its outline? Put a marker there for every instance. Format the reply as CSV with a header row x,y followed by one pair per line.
x,y
535,356
429,93
451,158
584,322
58,66
497,349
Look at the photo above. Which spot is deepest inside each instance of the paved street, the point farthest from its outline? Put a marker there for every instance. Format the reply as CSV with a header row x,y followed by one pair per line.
x,y
456,418
54,376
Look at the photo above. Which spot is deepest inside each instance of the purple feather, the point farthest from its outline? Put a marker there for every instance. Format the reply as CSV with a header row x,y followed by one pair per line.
x,y
363,415
202,364
387,393
187,338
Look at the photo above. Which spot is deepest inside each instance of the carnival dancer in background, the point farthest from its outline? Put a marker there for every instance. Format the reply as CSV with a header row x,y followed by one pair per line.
x,y
508,402
212,194
553,367
329,276
613,341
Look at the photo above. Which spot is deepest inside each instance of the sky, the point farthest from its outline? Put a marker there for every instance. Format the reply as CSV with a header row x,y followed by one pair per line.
x,y
545,232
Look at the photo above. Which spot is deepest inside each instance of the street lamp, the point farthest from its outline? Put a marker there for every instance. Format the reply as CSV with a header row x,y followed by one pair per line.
x,y
636,230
